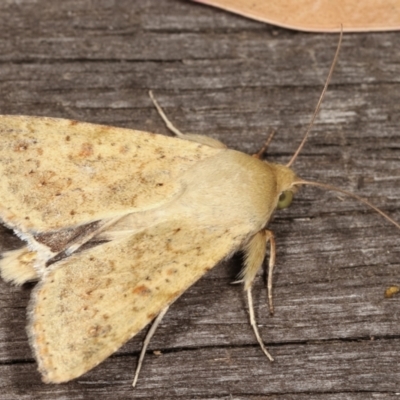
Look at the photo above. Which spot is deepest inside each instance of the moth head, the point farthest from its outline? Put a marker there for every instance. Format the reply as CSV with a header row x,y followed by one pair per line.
x,y
286,190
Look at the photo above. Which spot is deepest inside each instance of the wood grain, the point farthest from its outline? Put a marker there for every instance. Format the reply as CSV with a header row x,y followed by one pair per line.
x,y
334,335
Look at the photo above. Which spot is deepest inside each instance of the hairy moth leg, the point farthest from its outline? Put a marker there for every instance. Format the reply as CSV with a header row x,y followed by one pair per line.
x,y
186,136
254,257
146,342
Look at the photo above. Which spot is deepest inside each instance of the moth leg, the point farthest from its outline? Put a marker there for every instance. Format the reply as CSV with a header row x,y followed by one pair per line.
x,y
146,342
186,136
254,325
254,257
264,148
17,266
271,265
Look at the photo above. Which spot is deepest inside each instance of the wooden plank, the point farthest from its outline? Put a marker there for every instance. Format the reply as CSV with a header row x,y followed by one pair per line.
x,y
334,335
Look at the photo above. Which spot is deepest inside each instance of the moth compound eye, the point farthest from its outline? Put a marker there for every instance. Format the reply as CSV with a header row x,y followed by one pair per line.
x,y
285,199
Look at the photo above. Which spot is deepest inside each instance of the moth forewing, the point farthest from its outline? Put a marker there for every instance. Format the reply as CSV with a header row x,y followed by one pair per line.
x,y
76,172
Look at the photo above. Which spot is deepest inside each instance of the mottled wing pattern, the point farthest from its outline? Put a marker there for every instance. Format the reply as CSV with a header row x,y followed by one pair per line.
x,y
91,303
58,173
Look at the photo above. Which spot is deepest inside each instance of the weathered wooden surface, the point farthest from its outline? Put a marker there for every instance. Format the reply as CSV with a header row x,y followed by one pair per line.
x,y
334,335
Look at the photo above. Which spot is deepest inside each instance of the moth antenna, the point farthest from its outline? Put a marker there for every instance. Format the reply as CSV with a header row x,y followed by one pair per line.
x,y
264,148
321,97
350,194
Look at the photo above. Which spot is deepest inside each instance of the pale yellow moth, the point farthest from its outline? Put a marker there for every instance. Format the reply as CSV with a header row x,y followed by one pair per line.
x,y
119,223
